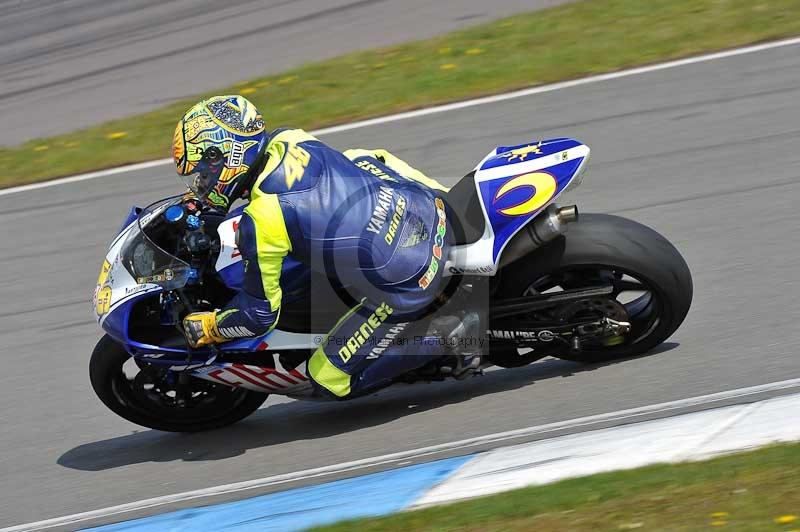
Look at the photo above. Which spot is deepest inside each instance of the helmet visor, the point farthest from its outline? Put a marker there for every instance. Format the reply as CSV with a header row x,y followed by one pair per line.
x,y
206,172
200,183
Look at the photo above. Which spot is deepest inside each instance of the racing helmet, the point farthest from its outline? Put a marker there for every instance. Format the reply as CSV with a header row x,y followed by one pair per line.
x,y
216,147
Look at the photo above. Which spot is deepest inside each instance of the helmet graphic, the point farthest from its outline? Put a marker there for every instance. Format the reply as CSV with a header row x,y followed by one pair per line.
x,y
215,145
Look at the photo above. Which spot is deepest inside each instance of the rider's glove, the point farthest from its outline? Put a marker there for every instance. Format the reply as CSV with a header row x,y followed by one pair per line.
x,y
201,329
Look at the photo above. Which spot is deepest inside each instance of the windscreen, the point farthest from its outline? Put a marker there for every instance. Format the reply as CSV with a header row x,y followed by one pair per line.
x,y
147,262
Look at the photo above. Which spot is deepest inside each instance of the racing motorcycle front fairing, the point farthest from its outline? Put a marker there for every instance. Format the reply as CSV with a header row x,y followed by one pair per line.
x,y
135,302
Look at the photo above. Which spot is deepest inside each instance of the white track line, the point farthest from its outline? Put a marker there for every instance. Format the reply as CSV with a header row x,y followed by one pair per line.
x,y
443,108
85,177
619,416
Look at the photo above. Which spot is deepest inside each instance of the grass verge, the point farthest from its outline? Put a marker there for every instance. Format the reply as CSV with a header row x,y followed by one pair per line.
x,y
751,491
569,41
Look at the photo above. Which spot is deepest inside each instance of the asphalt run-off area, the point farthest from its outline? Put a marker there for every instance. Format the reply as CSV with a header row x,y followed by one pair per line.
x,y
703,152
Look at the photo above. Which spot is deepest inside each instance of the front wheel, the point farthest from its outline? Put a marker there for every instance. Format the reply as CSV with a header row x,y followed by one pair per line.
x,y
154,398
652,287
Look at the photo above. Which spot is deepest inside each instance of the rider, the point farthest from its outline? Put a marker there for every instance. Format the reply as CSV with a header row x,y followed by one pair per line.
x,y
362,216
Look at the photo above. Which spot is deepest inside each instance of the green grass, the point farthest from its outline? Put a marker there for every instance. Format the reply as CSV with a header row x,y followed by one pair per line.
x,y
564,42
758,490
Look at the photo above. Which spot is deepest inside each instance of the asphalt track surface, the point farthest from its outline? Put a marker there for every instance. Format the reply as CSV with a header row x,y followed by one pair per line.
x,y
68,64
706,154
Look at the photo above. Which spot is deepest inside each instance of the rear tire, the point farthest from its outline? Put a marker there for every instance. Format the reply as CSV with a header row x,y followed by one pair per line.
x,y
219,407
619,245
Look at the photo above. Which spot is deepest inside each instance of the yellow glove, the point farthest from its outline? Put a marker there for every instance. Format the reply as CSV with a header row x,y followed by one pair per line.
x,y
201,329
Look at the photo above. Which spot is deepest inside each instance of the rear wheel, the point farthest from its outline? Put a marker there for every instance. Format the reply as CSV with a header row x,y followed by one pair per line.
x,y
155,398
652,288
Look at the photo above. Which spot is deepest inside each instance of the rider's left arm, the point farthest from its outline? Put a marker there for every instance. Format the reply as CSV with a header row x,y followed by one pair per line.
x,y
254,311
263,242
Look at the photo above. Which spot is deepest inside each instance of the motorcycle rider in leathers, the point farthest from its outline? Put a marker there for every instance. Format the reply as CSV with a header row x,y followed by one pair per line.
x,y
364,217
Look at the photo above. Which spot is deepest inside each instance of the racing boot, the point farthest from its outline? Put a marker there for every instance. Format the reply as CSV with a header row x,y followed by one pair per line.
x,y
465,341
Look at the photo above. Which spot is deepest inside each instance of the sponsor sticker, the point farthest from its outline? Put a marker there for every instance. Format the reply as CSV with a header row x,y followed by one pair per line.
x,y
397,217
374,170
438,244
520,154
130,290
237,154
478,270
388,339
168,275
542,336
441,229
416,233
380,213
364,331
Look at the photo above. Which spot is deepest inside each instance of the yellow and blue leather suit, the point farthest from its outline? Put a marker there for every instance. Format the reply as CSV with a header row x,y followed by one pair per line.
x,y
363,217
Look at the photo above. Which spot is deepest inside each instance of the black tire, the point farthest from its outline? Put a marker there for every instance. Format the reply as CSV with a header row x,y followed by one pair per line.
x,y
601,240
223,406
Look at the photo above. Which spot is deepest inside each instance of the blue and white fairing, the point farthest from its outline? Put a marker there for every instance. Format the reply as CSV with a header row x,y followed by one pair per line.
x,y
229,261
514,184
118,289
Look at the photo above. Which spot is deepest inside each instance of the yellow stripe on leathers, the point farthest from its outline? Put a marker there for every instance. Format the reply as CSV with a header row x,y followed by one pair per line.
x,y
323,371
398,165
272,243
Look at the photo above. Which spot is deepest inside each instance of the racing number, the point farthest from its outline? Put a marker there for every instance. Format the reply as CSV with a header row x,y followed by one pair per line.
x,y
102,293
295,164
103,304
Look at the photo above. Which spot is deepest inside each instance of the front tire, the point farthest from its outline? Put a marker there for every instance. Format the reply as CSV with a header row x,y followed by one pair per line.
x,y
145,400
598,249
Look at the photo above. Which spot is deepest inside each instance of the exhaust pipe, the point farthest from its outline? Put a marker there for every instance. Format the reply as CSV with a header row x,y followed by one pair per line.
x,y
548,226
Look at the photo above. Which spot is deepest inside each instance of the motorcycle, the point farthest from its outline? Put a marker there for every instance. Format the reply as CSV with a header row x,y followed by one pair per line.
x,y
586,288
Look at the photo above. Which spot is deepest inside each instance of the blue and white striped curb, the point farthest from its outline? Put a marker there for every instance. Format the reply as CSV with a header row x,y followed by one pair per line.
x,y
364,496
692,436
